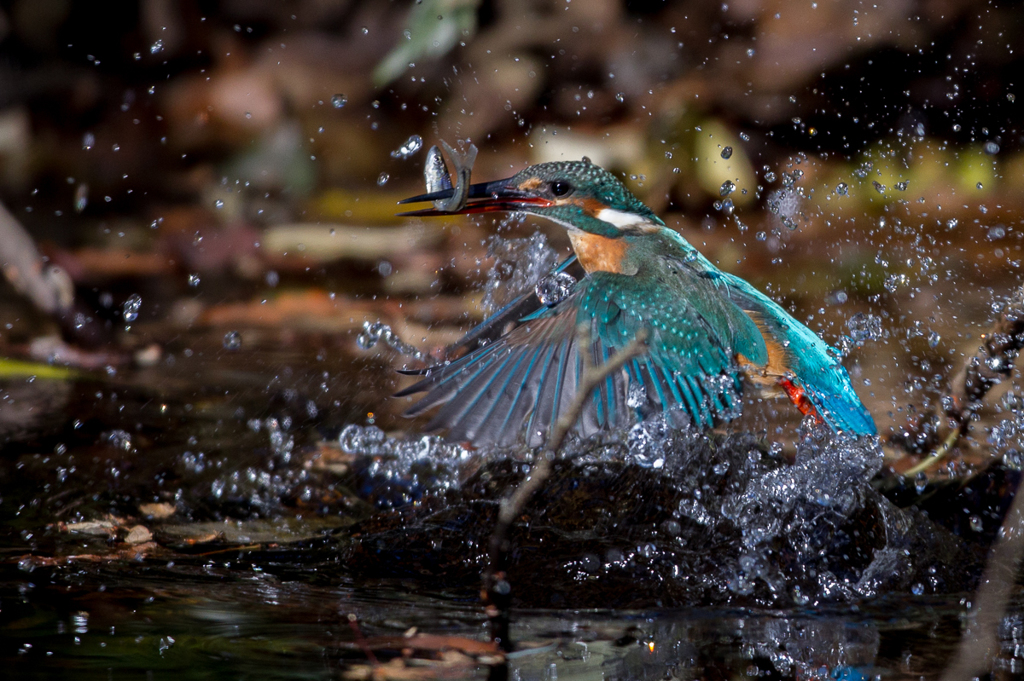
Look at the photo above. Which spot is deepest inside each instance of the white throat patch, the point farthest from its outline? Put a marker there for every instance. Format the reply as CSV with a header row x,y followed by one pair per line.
x,y
619,218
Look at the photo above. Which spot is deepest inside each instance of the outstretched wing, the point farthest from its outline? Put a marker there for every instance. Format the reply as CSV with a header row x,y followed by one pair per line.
x,y
526,378
521,383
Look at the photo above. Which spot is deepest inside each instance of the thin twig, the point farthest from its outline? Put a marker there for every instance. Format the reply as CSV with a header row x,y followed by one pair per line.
x,y
496,593
939,453
981,638
353,623
990,365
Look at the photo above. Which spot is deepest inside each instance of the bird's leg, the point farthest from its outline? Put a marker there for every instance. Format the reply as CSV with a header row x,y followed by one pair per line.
x,y
797,396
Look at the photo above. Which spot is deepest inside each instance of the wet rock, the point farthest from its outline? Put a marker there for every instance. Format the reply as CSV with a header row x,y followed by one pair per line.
x,y
721,522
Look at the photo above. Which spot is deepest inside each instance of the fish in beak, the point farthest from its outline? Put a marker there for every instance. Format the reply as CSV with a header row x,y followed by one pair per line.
x,y
485,197
463,198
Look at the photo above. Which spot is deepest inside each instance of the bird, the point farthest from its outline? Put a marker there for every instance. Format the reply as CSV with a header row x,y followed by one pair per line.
x,y
709,334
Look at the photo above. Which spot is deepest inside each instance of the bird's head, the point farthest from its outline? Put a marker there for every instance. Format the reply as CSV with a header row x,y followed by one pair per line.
x,y
576,194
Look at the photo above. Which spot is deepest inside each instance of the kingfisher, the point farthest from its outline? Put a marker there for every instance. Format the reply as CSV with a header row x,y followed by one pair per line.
x,y
710,334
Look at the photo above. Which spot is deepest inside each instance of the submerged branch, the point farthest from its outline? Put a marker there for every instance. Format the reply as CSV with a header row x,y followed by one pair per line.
x,y
496,593
980,642
990,365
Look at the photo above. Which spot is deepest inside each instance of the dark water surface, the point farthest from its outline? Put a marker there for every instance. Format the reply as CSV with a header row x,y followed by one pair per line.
x,y
651,555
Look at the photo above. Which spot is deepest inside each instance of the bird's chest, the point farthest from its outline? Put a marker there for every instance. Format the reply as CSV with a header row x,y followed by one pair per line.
x,y
600,253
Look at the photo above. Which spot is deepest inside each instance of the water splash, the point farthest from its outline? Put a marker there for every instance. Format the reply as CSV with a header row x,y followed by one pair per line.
x,y
411,465
376,332
408,148
554,288
519,264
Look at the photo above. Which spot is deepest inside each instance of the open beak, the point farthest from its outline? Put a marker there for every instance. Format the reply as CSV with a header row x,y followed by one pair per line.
x,y
485,197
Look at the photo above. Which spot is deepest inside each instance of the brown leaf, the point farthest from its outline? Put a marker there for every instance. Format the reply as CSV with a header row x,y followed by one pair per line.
x,y
157,511
139,534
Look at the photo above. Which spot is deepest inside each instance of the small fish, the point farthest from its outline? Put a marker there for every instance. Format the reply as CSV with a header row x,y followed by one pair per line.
x,y
436,174
438,178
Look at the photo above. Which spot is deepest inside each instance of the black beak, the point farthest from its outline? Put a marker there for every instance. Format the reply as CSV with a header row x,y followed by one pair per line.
x,y
499,195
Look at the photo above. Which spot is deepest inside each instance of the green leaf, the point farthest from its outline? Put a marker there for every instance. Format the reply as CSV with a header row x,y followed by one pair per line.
x,y
15,368
434,28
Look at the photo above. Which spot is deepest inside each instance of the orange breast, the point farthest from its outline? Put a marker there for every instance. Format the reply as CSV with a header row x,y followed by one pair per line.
x,y
599,253
778,363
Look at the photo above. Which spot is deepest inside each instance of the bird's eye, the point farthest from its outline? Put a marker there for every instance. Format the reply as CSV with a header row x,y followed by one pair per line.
x,y
560,187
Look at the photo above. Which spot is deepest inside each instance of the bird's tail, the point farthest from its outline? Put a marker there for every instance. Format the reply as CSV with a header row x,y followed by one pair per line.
x,y
810,364
839,405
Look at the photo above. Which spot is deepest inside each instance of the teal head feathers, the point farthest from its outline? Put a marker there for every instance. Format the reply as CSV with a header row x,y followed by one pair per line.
x,y
577,194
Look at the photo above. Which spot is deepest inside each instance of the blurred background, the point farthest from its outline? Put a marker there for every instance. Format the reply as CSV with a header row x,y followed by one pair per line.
x,y
207,293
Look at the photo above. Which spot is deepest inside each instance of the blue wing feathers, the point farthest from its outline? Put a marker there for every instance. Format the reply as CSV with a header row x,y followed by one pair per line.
x,y
528,377
812,362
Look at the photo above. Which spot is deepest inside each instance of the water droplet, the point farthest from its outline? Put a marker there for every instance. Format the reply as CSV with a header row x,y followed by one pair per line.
x,y
842,189
996,232
338,101
902,186
745,137
81,197
193,280
917,589
761,236
864,169
933,339
864,327
894,281
120,439
131,307
88,141
156,47
920,482
232,340
637,396
976,524
728,187
980,185
951,223
879,187
408,148
1010,97
620,97
553,288
751,51
991,148
382,179
218,203
727,153
366,340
